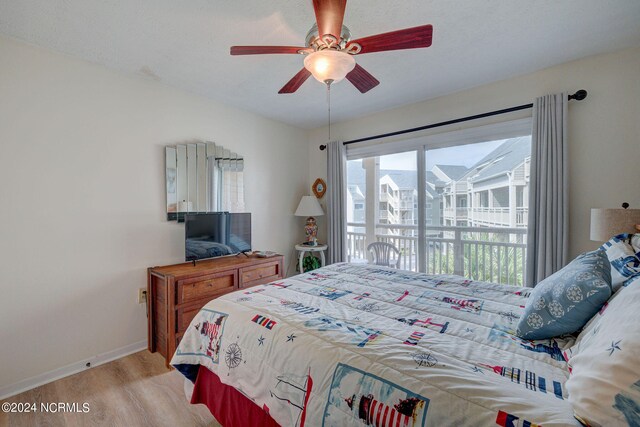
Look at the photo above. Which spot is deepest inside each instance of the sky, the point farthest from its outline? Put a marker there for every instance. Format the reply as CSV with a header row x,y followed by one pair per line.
x,y
465,155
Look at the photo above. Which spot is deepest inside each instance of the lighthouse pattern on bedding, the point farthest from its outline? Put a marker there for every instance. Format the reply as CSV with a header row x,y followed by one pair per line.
x,y
372,401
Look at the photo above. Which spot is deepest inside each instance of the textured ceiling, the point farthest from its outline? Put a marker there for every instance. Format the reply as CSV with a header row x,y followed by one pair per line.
x,y
186,43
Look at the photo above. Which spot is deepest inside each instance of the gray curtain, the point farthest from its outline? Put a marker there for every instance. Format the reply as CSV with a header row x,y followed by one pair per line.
x,y
548,234
336,202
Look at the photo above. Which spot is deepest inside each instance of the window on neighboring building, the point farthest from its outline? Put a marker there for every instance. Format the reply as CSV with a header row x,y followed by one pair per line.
x,y
520,196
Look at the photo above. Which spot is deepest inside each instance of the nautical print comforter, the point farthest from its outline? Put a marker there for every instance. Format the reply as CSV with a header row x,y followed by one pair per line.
x,y
353,344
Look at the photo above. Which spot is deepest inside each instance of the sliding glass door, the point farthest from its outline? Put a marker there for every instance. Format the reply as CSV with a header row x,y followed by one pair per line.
x,y
457,209
476,213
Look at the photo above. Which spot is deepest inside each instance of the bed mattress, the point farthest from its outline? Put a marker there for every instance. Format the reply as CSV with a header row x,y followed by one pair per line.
x,y
353,344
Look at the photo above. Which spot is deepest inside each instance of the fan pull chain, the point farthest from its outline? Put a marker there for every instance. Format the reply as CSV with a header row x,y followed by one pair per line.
x,y
329,108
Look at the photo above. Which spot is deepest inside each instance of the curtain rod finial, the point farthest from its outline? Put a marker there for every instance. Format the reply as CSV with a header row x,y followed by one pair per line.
x,y
323,147
579,95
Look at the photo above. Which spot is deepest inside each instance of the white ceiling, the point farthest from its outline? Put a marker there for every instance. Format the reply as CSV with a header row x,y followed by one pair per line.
x,y
186,43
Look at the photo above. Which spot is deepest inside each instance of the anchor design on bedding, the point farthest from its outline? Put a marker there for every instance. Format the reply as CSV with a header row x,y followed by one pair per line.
x,y
427,323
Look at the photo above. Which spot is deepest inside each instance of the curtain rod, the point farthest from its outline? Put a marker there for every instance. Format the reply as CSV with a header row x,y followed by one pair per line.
x,y
578,96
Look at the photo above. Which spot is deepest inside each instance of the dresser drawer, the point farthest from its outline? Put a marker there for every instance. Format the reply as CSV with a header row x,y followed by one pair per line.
x,y
185,315
259,274
203,287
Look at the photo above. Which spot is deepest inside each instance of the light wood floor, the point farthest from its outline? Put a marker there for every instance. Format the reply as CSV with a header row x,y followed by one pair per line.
x,y
137,390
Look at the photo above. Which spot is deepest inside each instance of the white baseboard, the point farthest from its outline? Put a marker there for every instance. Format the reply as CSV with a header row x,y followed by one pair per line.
x,y
74,368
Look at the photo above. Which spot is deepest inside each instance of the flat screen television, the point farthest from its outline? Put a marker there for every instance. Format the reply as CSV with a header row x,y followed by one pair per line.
x,y
215,234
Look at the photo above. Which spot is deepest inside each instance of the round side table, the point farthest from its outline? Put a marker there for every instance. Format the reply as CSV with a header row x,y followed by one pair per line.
x,y
303,249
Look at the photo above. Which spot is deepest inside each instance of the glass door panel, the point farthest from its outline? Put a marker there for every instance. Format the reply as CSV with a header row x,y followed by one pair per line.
x,y
475,213
382,206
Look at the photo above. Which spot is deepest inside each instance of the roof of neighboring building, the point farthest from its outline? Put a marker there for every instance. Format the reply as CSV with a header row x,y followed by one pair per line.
x,y
356,193
454,172
503,159
431,194
403,178
433,179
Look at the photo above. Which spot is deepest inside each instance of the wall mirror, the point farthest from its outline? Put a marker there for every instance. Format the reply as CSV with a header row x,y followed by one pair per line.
x,y
203,177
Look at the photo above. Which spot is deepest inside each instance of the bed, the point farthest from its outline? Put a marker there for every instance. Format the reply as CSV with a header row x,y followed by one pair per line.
x,y
353,344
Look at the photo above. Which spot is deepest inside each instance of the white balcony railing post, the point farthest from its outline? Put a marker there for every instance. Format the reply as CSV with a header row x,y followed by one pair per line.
x,y
458,253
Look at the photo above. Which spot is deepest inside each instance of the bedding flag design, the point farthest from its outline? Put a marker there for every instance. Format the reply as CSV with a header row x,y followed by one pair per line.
x,y
300,308
264,321
414,338
467,305
361,297
507,420
531,380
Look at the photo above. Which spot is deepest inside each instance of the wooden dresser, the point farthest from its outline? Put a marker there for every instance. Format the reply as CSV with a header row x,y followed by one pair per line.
x,y
175,293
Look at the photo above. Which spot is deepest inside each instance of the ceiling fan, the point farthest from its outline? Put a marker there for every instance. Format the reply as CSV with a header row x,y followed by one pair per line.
x,y
329,51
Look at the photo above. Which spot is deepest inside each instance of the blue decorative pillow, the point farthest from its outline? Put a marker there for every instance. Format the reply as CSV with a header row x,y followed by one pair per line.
x,y
565,301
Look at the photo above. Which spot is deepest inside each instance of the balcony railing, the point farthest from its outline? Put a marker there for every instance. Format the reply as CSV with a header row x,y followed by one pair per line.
x,y
491,216
459,212
522,217
480,253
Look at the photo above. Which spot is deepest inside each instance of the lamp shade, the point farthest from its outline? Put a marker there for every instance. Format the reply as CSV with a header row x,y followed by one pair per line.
x,y
606,223
329,65
309,206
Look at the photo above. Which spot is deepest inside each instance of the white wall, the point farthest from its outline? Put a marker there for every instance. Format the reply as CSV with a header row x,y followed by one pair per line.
x,y
604,129
83,202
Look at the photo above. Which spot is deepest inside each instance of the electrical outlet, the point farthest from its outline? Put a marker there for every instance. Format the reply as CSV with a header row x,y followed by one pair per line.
x,y
142,295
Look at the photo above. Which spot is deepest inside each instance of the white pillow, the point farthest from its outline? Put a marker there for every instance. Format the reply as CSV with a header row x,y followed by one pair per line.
x,y
635,242
604,385
625,264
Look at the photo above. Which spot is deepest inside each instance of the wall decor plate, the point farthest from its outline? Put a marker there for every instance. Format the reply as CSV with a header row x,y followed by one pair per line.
x,y
319,187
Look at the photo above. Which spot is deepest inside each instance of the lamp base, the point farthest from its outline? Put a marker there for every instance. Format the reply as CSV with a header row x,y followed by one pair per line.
x,y
311,231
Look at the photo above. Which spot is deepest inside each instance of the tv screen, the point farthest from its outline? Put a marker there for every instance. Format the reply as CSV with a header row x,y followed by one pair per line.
x,y
209,235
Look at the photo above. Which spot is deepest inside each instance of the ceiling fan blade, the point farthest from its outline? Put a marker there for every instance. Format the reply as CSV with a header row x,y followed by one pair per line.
x,y
297,80
361,79
409,38
261,50
329,16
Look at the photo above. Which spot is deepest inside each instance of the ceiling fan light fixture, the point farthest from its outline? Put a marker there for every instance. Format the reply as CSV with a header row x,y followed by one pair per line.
x,y
329,65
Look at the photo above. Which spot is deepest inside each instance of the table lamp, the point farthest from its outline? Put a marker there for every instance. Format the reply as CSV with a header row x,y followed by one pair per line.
x,y
606,223
310,207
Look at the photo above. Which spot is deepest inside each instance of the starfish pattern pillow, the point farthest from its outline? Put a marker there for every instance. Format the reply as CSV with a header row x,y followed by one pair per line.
x,y
604,385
